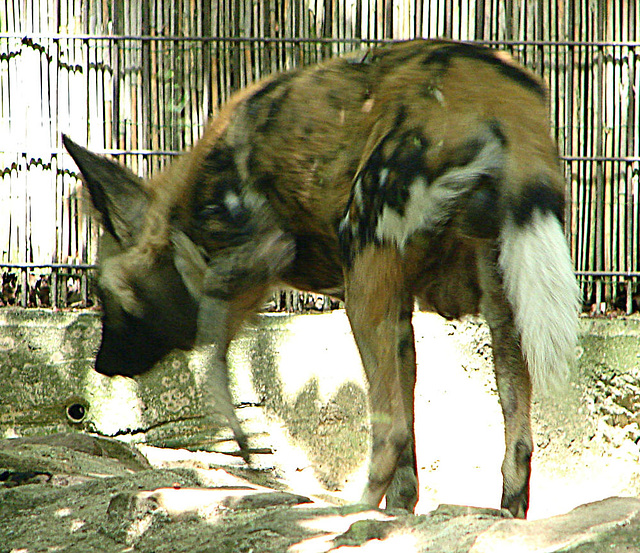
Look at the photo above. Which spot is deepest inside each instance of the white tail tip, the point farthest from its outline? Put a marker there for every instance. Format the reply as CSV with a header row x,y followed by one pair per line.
x,y
541,287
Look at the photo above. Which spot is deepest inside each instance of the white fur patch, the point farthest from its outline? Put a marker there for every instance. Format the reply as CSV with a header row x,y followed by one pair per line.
x,y
345,225
399,228
231,201
357,196
541,287
429,206
384,173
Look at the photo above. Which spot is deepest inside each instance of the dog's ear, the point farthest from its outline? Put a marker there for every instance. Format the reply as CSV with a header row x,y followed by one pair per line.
x,y
116,192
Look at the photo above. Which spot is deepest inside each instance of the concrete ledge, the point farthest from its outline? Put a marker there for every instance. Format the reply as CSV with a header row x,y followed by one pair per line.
x,y
47,357
46,361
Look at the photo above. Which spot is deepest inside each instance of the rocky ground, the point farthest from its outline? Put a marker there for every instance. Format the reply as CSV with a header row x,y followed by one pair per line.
x,y
80,492
77,493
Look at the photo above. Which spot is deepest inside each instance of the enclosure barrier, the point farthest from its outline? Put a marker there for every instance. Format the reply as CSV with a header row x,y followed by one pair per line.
x,y
63,285
54,285
72,286
138,79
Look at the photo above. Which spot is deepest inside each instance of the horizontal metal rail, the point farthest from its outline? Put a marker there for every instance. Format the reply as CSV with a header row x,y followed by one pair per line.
x,y
58,291
78,267
308,40
111,152
120,152
54,266
606,274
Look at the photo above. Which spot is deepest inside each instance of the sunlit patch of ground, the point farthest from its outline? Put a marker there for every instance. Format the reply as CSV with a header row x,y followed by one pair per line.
x,y
305,373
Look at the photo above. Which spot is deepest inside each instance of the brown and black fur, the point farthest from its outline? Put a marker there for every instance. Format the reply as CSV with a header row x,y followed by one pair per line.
x,y
410,171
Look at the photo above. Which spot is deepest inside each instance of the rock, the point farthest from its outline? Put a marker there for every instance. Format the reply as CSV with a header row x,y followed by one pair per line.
x,y
62,459
609,525
95,446
119,502
183,503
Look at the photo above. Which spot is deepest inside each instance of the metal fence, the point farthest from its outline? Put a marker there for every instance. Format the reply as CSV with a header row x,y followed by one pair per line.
x,y
138,79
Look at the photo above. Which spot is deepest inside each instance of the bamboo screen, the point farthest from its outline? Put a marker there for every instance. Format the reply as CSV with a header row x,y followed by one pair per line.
x,y
139,78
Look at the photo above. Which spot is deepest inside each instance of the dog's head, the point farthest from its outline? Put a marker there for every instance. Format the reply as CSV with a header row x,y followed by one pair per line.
x,y
147,308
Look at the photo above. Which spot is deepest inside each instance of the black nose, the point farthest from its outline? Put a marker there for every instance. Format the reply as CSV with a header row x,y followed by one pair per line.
x,y
119,364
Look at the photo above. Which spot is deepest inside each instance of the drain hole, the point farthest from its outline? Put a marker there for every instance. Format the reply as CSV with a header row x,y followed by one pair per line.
x,y
76,412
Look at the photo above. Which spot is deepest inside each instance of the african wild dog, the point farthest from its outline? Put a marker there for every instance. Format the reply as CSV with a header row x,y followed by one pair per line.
x,y
420,170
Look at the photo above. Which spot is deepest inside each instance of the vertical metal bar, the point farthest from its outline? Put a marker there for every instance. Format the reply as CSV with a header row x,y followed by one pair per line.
x,y
634,138
84,288
24,292
64,289
479,23
53,289
599,176
145,66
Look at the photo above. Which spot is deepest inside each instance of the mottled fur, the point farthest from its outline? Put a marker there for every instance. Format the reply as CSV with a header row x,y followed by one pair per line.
x,y
421,170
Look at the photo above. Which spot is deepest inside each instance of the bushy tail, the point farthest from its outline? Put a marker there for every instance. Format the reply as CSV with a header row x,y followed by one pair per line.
x,y
542,290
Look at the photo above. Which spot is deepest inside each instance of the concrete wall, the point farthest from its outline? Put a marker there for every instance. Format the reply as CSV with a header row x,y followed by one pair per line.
x,y
47,381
